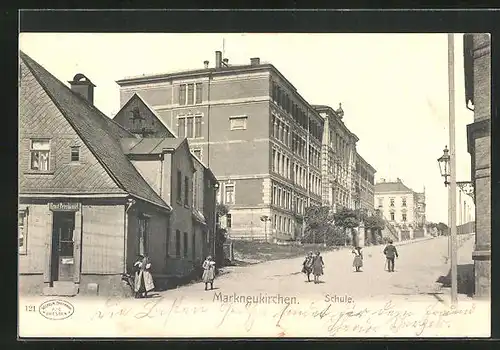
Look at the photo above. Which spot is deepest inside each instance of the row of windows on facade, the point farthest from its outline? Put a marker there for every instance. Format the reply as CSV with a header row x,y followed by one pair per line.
x,y
190,126
40,154
391,202
392,215
190,94
144,232
364,174
283,166
283,100
282,132
283,224
339,145
287,199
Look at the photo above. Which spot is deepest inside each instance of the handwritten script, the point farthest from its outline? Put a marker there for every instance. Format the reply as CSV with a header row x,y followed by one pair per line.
x,y
388,318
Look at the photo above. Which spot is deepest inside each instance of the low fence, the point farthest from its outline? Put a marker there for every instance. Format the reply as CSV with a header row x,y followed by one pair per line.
x,y
466,228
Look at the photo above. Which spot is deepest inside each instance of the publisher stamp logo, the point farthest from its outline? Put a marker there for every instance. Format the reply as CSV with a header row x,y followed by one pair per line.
x,y
56,309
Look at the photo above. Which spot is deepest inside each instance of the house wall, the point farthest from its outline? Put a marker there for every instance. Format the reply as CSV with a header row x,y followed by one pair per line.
x,y
100,235
481,166
181,217
103,239
151,171
40,118
398,208
156,241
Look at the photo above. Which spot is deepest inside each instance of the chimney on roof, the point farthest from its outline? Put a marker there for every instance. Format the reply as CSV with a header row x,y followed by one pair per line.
x,y
218,59
382,180
226,61
205,63
399,180
83,86
255,61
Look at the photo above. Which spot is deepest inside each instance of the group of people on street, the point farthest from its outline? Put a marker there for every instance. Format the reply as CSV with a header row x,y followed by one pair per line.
x,y
313,264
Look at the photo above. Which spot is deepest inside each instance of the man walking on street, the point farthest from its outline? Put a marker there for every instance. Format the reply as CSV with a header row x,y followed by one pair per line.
x,y
390,252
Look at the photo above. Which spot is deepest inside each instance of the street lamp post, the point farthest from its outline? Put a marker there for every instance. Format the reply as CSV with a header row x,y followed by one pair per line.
x,y
447,163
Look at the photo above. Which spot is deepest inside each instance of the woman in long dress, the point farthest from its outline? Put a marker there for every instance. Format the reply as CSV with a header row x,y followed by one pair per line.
x,y
317,267
143,282
208,272
358,258
307,266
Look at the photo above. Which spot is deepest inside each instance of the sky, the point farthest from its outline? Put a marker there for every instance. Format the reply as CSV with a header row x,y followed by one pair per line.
x,y
393,87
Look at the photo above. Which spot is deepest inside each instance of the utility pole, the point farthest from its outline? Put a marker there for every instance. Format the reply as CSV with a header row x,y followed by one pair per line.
x,y
452,198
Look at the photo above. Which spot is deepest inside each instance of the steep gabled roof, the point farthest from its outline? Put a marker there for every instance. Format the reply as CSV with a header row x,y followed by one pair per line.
x,y
99,133
391,187
155,114
149,145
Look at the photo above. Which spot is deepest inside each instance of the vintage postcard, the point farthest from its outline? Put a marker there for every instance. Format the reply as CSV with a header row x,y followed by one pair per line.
x,y
254,185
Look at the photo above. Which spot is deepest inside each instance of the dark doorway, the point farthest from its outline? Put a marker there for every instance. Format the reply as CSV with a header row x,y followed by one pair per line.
x,y
62,258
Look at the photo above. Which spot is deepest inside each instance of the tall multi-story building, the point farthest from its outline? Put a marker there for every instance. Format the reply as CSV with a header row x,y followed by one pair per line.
x,y
348,180
399,203
253,129
477,65
338,149
364,182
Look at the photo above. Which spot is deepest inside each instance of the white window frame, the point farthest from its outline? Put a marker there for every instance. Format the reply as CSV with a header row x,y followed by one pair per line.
x,y
33,150
22,250
187,94
244,118
186,117
225,193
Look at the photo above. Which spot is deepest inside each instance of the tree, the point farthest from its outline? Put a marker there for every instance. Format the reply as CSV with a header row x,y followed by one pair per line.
x,y
375,224
221,210
442,228
347,219
319,226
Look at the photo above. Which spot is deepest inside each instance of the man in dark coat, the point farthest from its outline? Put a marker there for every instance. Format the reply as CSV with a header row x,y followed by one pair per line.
x,y
390,252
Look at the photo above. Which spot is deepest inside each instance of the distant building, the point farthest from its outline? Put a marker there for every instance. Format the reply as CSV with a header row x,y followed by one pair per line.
x,y
399,204
477,64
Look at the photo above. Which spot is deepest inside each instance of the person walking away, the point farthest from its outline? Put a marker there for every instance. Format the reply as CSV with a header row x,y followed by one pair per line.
x,y
358,258
208,272
143,282
390,252
307,266
317,267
